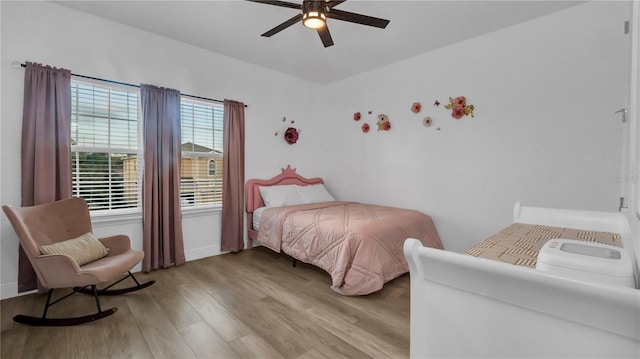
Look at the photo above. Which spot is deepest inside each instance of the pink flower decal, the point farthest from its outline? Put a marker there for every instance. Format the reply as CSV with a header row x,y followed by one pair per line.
x,y
291,135
383,123
460,101
459,107
457,112
357,116
416,107
365,127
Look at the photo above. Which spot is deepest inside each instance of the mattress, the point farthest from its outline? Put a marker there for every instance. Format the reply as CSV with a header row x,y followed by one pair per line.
x,y
520,243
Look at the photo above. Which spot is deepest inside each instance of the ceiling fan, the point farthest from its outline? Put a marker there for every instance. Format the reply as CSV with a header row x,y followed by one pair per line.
x,y
314,16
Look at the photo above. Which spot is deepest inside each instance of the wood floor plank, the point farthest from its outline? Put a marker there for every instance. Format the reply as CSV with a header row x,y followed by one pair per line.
x,y
86,341
46,343
253,346
161,336
175,307
205,342
13,341
314,354
122,334
219,318
363,340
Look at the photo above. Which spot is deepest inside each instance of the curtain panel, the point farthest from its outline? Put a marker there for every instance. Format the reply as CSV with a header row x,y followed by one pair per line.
x,y
232,238
161,214
45,148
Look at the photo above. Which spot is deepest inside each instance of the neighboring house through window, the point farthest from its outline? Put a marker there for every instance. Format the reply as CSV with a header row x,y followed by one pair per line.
x,y
202,126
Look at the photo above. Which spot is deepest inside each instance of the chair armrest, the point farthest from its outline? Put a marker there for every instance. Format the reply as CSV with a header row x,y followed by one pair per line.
x,y
57,270
117,244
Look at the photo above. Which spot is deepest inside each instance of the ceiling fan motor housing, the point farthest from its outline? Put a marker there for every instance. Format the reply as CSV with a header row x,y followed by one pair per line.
x,y
314,5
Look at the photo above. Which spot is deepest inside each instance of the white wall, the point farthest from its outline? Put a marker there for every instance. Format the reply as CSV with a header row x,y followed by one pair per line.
x,y
544,131
92,46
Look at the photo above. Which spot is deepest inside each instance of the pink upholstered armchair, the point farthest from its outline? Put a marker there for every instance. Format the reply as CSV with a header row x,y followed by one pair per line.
x,y
57,238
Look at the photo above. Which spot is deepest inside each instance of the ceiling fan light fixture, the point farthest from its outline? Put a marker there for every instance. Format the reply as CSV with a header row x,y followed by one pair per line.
x,y
314,19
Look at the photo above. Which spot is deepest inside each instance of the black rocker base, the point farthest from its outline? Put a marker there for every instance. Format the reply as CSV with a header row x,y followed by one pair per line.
x,y
116,291
57,322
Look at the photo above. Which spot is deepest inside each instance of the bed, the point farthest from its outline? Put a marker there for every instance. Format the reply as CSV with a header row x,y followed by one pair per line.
x,y
479,304
360,245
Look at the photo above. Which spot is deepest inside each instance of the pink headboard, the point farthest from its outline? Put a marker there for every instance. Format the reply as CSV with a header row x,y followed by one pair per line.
x,y
288,176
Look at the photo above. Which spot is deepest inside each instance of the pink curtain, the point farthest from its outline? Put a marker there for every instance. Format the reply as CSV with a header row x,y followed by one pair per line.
x,y
233,177
46,146
161,215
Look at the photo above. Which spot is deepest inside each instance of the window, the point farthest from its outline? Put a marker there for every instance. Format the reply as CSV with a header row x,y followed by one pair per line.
x,y
202,126
105,145
212,168
106,148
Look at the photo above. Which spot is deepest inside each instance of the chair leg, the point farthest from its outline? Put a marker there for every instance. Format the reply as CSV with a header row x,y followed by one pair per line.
x,y
95,294
46,305
44,321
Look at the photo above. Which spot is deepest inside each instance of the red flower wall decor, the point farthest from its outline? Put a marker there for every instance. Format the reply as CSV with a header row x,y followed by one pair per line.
x,y
459,107
357,116
291,135
365,127
416,107
383,123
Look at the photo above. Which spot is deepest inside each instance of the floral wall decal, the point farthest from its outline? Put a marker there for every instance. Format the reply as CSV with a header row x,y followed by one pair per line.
x,y
383,123
365,127
427,121
357,116
291,135
459,107
416,107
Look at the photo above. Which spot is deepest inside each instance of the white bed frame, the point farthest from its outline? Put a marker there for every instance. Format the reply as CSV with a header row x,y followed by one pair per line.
x,y
463,306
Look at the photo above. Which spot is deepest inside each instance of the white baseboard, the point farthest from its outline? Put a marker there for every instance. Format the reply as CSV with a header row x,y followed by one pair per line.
x,y
202,252
10,290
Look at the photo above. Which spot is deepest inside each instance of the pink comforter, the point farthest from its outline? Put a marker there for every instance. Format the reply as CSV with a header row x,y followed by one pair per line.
x,y
359,245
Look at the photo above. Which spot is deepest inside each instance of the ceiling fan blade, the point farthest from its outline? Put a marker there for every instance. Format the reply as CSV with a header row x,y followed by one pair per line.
x,y
333,3
325,36
283,26
357,18
279,3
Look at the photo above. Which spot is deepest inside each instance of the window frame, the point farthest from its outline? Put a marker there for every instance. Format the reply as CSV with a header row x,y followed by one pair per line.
x,y
138,152
212,156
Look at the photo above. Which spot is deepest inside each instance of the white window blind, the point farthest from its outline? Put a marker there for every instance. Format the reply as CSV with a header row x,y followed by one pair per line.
x,y
201,175
105,145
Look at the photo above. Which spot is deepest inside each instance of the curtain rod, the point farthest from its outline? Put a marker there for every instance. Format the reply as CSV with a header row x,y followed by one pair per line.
x,y
138,86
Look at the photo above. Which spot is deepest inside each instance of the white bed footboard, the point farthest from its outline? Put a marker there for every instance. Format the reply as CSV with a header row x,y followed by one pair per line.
x,y
463,306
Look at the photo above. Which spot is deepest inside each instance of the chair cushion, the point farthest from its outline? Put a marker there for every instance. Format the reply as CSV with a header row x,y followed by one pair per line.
x,y
83,249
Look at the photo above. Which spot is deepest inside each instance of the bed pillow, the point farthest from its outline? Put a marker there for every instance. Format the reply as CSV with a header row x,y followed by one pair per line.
x,y
315,193
83,249
278,196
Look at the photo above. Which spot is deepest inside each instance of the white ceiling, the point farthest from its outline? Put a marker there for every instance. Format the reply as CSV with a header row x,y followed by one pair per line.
x,y
233,28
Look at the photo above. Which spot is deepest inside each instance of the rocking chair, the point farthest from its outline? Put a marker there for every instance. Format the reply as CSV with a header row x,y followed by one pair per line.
x,y
57,238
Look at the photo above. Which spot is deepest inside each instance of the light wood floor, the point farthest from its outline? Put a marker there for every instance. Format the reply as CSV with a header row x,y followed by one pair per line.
x,y
253,304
